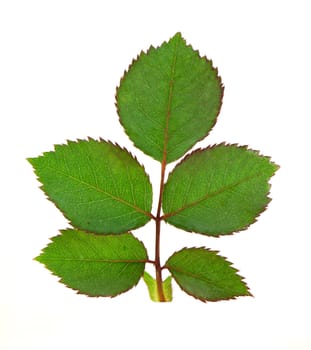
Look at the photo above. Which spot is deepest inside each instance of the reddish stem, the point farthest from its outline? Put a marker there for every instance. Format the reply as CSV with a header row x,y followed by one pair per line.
x,y
158,220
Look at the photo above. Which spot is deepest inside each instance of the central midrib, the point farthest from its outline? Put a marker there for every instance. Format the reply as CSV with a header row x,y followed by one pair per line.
x,y
199,277
213,194
103,192
169,104
97,260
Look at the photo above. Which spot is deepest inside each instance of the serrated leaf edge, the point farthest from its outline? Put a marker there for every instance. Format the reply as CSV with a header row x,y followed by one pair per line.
x,y
60,279
230,264
199,150
90,139
150,49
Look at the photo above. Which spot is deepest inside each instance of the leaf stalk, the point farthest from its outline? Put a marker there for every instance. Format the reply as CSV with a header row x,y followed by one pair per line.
x,y
158,220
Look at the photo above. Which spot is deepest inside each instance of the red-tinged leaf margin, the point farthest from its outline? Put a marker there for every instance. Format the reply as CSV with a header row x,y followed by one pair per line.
x,y
230,265
89,139
136,60
198,150
102,237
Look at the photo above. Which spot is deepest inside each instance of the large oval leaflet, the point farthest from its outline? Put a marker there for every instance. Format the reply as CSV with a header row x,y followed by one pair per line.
x,y
169,99
95,265
218,190
99,187
204,274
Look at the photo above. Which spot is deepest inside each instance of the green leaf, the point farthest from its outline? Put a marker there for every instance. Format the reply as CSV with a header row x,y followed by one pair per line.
x,y
153,289
97,185
169,99
218,190
95,265
205,275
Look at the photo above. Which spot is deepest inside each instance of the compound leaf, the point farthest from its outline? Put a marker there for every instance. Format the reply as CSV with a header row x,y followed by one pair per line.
x,y
169,99
95,265
153,289
97,185
205,275
218,190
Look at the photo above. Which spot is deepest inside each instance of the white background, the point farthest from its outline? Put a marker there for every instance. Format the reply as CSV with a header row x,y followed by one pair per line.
x,y
60,62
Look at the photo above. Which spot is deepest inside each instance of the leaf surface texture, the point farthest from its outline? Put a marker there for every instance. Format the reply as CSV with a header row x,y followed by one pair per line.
x,y
95,265
205,275
97,185
169,99
218,190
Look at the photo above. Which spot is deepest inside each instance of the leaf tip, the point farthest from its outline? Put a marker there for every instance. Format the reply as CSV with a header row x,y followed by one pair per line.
x,y
39,258
178,35
32,161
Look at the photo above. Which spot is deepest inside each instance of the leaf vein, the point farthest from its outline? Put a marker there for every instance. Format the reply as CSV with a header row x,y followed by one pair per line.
x,y
214,284
95,260
100,190
210,195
